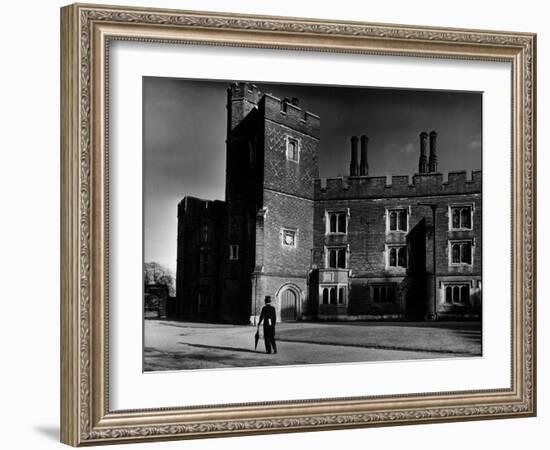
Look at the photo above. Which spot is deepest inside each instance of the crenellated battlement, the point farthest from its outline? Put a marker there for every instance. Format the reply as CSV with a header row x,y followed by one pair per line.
x,y
398,186
194,205
288,113
243,97
247,91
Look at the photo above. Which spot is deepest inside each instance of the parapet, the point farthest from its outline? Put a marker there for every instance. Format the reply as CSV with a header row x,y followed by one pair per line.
x,y
193,205
245,90
397,186
291,115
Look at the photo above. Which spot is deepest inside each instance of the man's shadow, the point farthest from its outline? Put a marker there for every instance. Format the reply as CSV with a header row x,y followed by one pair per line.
x,y
217,347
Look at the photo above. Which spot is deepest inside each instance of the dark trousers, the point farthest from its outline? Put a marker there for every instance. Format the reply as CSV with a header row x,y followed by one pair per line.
x,y
269,339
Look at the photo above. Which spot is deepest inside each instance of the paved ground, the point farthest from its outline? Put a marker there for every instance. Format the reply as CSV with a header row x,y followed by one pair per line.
x,y
171,345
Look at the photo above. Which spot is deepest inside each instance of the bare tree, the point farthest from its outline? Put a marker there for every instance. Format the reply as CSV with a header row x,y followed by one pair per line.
x,y
154,273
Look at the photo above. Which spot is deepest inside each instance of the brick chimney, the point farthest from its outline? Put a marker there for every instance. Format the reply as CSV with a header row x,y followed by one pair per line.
x,y
364,165
433,152
423,161
354,165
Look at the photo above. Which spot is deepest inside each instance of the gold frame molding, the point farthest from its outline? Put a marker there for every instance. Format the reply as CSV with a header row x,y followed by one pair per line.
x,y
86,31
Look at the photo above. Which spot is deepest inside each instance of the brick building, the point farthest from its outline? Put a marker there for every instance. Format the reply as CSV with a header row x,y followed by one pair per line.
x,y
348,248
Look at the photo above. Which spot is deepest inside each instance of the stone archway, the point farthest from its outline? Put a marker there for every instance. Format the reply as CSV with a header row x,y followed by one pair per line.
x,y
289,297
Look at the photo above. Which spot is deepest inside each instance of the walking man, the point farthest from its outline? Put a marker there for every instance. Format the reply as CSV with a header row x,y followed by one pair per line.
x,y
268,316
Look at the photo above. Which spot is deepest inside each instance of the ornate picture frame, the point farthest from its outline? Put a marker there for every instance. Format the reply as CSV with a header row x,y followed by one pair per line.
x,y
86,34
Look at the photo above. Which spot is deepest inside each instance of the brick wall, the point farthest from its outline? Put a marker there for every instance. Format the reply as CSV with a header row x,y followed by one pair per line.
x,y
291,213
197,292
244,178
287,187
367,238
367,234
282,175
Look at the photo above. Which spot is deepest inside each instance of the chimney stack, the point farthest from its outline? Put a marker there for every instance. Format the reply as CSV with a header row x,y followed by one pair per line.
x,y
364,165
354,166
433,152
423,161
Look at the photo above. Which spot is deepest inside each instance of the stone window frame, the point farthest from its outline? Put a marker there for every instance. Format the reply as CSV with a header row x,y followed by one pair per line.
x,y
452,242
234,252
392,287
297,141
205,231
388,212
388,249
291,230
328,248
460,205
460,285
338,288
329,212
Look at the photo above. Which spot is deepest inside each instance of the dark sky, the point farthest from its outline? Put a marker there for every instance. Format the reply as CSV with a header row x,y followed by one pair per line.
x,y
185,126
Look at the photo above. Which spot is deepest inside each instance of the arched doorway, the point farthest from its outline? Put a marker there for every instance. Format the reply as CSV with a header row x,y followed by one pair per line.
x,y
289,304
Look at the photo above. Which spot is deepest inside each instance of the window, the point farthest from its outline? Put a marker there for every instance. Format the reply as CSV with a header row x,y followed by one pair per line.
x,y
460,218
341,295
204,263
205,229
337,222
460,252
292,149
383,293
397,219
333,295
325,296
457,293
204,298
397,256
289,238
336,258
233,252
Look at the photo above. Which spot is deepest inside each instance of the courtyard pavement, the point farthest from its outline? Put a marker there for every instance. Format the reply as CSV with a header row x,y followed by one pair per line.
x,y
173,345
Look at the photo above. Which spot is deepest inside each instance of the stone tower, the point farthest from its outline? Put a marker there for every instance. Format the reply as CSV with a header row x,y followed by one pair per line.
x,y
271,164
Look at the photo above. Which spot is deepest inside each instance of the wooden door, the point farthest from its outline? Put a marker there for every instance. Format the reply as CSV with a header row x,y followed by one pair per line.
x,y
289,301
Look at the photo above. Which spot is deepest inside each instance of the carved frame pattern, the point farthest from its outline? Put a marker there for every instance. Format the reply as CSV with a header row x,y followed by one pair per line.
x,y
86,33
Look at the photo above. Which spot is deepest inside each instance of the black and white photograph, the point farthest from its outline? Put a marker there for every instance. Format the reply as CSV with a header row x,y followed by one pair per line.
x,y
294,224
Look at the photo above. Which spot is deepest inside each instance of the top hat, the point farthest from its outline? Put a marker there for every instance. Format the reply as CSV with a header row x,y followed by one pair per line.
x,y
267,299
